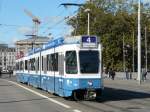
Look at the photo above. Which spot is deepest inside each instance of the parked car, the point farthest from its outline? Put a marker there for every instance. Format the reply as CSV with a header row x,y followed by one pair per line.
x,y
5,71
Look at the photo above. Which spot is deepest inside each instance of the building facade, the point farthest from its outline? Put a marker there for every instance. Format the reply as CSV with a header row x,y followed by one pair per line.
x,y
23,46
7,57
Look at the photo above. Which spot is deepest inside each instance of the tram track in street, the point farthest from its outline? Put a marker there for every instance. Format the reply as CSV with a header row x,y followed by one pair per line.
x,y
106,107
127,101
119,100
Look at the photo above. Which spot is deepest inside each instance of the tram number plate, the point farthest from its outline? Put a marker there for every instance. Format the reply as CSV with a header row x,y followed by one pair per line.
x,y
89,41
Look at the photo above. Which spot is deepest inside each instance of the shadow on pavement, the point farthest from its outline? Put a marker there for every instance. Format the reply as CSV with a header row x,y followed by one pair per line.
x,y
112,94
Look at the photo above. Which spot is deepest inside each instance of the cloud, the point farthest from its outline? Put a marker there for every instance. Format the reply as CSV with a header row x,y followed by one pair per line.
x,y
12,41
25,30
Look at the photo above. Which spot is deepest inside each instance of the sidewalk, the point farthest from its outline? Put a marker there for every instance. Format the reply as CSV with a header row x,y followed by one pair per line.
x,y
8,77
119,82
131,84
122,75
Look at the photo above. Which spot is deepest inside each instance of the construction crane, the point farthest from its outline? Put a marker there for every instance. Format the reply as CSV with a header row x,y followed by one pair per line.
x,y
36,22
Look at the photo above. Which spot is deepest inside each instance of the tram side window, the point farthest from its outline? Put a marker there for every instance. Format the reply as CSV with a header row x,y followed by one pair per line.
x,y
54,61
32,64
37,64
42,63
17,66
21,65
48,62
26,65
71,62
45,65
29,65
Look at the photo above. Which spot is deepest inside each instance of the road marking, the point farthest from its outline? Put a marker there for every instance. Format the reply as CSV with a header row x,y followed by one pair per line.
x,y
75,110
50,99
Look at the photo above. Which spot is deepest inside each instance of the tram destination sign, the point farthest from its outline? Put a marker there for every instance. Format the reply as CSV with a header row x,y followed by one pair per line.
x,y
89,41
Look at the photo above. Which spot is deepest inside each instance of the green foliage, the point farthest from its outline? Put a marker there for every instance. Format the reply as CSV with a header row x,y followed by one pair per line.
x,y
110,20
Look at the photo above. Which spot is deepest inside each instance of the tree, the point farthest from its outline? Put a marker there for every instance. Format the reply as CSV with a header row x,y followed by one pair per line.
x,y
110,20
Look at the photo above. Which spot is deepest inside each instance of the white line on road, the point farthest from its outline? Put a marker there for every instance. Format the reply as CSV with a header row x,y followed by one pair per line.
x,y
50,99
75,110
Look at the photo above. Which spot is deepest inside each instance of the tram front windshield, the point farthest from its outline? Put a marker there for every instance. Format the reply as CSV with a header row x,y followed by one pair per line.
x,y
89,61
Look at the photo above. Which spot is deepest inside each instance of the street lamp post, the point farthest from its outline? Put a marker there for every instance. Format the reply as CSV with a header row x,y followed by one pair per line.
x,y
133,54
88,28
139,42
88,23
146,48
123,54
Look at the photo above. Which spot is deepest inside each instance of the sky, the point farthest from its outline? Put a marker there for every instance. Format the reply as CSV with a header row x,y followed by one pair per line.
x,y
15,23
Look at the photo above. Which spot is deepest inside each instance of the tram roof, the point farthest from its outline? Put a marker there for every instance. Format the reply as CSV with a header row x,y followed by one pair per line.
x,y
57,42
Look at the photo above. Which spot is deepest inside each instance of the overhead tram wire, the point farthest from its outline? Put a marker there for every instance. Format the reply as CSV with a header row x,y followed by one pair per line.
x,y
54,25
59,22
61,33
13,25
55,16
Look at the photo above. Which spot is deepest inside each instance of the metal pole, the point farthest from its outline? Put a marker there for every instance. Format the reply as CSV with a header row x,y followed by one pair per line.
x,y
146,48
139,42
88,27
133,53
88,23
123,55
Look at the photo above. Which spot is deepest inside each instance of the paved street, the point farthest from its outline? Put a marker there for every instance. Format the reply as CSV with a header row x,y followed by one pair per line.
x,y
75,56
118,96
16,99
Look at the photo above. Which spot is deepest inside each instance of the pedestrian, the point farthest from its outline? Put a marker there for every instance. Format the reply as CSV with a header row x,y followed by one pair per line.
x,y
127,74
10,73
106,72
144,74
113,74
110,73
130,74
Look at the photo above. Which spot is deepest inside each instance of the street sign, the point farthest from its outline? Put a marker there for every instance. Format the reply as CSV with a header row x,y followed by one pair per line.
x,y
89,41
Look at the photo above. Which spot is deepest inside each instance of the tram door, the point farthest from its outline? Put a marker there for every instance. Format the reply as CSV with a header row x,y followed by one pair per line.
x,y
61,69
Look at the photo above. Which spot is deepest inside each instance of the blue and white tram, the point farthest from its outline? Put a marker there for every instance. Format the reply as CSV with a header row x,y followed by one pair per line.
x,y
65,66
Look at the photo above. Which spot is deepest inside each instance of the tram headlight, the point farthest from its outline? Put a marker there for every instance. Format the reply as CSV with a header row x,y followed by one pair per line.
x,y
90,83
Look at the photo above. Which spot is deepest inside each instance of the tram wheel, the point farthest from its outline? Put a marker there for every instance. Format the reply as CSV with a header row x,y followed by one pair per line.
x,y
77,96
98,95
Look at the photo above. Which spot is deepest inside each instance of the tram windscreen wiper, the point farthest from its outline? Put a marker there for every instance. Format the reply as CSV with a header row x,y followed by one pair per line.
x,y
89,61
